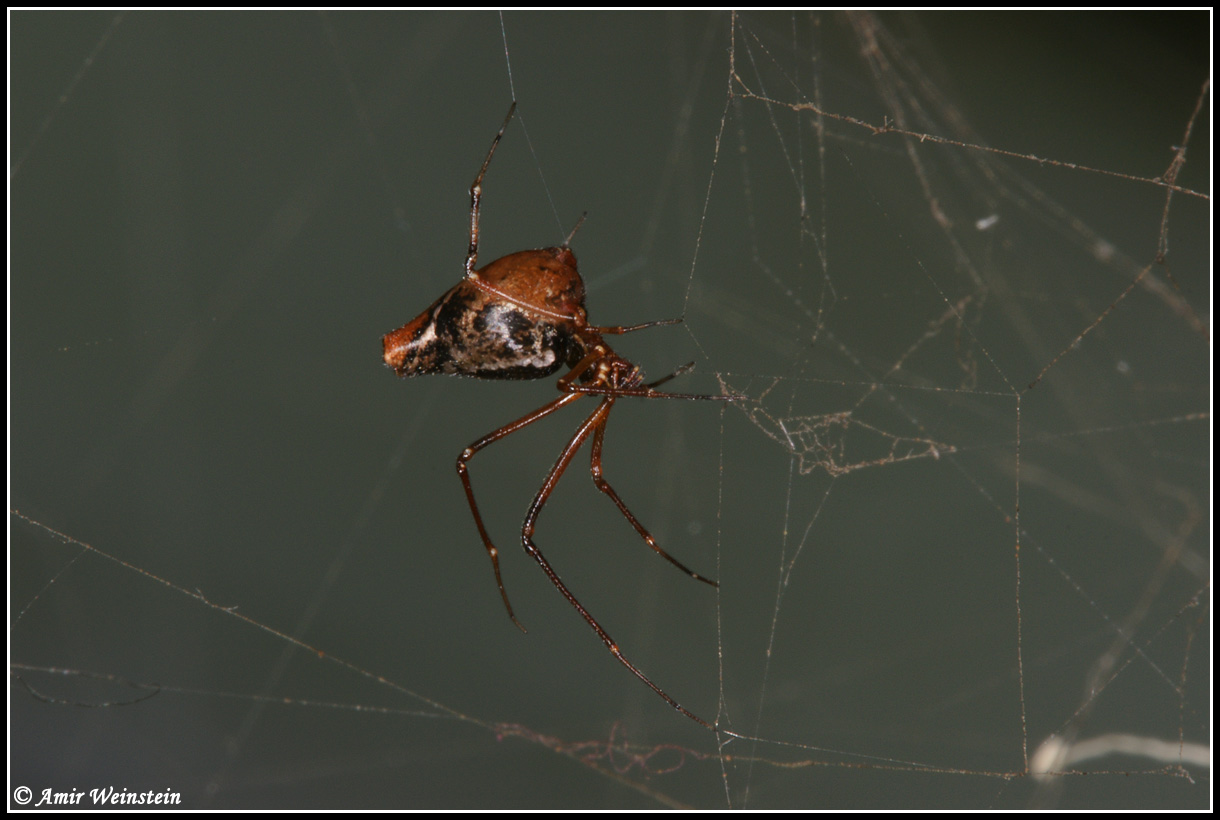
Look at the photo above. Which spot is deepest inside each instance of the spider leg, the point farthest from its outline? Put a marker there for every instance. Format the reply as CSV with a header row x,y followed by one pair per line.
x,y
596,420
686,368
568,382
595,469
468,453
643,392
476,195
632,328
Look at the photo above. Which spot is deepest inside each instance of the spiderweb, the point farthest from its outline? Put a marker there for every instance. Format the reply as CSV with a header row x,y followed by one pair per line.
x,y
956,267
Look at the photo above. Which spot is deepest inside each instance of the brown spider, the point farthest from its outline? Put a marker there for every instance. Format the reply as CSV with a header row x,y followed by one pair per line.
x,y
523,317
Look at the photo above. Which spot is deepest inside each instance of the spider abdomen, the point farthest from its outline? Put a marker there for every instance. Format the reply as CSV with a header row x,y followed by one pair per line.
x,y
517,318
543,280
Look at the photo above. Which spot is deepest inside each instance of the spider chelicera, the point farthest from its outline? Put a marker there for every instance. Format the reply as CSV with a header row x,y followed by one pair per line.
x,y
523,317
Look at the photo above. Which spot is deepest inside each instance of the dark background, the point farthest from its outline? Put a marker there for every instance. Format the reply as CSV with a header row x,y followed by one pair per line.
x,y
214,226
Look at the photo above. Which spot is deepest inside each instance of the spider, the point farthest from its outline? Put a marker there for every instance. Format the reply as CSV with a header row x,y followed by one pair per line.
x,y
523,317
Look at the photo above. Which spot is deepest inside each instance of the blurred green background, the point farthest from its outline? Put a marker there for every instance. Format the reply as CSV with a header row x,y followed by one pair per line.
x,y
213,227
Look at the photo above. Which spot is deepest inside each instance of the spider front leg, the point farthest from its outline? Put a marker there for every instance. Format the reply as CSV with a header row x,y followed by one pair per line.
x,y
595,422
463,473
595,469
